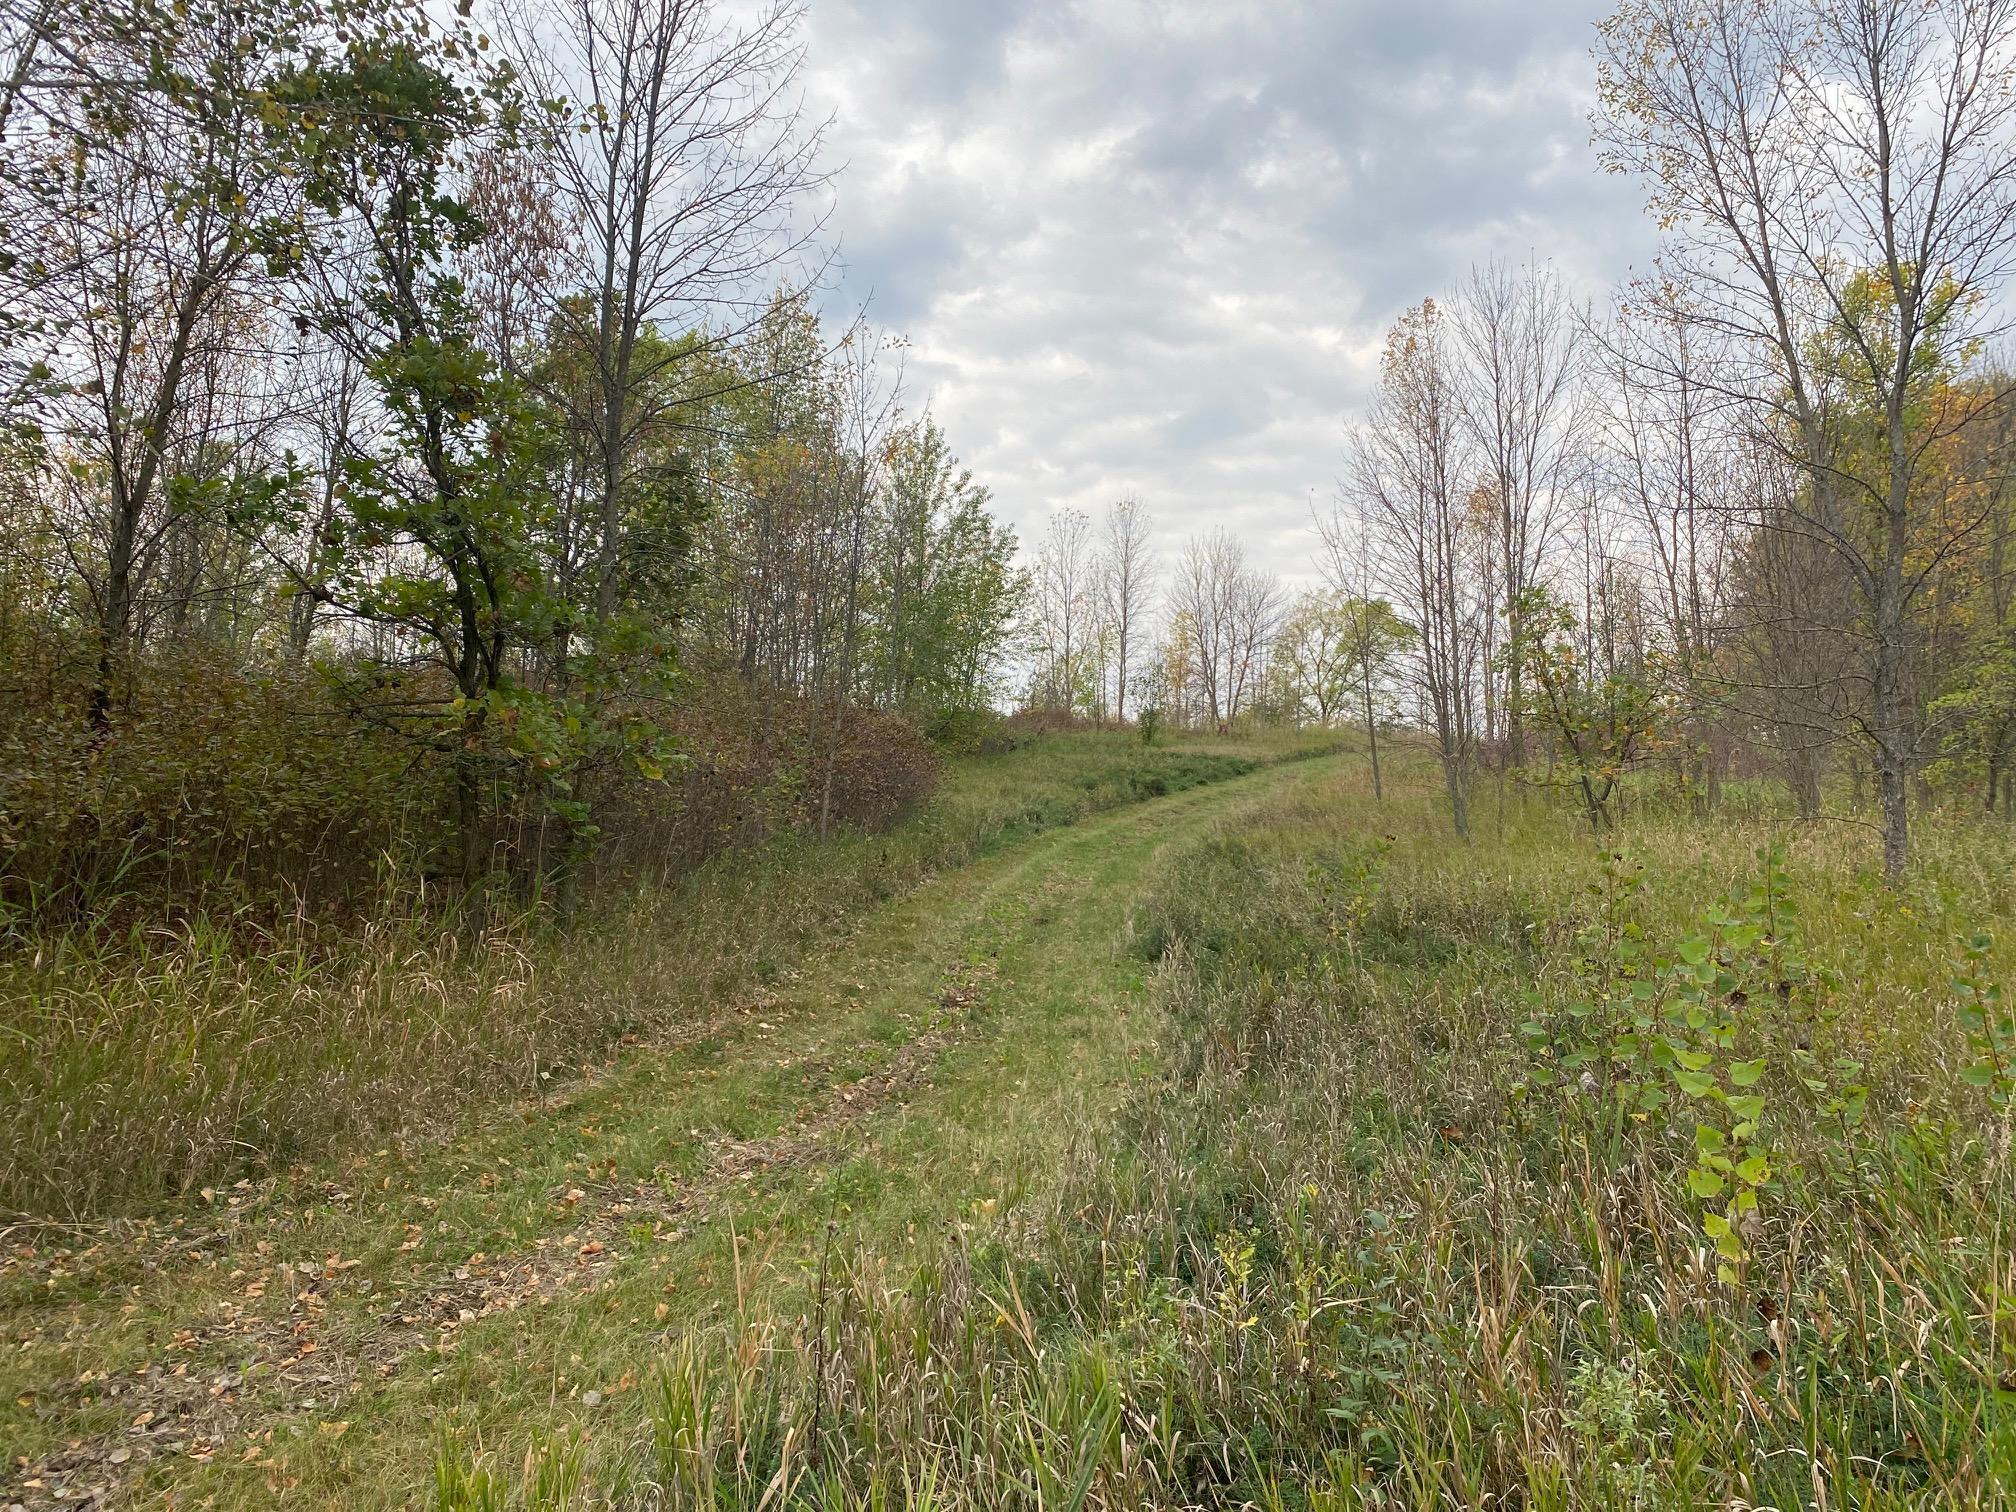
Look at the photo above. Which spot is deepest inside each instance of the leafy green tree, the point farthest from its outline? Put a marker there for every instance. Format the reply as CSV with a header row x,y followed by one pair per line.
x,y
1375,638
1313,658
943,585
629,620
1601,721
1979,716
436,536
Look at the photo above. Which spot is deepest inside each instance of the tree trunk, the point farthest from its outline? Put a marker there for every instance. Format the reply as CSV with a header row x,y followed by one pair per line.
x,y
1802,776
1893,756
1372,741
469,820
1459,796
115,617
609,554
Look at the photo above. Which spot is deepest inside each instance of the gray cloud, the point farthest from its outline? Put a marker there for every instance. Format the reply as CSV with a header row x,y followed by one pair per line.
x,y
1153,247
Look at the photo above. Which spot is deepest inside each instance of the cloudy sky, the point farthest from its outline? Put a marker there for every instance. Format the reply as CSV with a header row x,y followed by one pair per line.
x,y
1152,245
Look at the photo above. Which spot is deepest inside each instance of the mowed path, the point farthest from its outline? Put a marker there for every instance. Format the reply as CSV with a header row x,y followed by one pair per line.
x,y
318,1343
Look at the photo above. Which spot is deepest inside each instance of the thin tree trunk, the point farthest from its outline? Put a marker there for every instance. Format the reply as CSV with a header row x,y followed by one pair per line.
x,y
1372,741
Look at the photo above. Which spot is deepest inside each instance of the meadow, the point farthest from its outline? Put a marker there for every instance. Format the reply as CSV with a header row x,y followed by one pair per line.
x,y
140,1063
1672,1172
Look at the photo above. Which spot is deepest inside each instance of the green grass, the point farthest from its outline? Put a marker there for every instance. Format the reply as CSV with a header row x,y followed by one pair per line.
x,y
140,1068
931,1064
1256,1146
1394,1223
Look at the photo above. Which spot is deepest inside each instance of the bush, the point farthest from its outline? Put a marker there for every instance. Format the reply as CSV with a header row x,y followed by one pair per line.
x,y
275,789
972,732
754,768
216,785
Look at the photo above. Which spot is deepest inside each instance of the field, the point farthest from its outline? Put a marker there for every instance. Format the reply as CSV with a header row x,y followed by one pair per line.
x,y
147,1063
1252,1145
649,1037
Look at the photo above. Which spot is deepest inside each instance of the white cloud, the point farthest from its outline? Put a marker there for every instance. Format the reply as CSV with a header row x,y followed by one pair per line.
x,y
1153,247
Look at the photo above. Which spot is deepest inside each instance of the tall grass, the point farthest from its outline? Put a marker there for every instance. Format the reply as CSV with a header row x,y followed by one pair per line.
x,y
137,1065
1365,1245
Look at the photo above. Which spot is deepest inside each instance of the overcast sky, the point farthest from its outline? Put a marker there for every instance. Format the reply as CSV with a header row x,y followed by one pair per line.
x,y
1153,247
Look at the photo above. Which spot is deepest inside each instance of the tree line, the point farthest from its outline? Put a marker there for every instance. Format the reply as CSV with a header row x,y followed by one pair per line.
x,y
424,437
1210,641
421,448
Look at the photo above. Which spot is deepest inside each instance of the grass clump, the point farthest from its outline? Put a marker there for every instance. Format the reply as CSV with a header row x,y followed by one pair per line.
x,y
1672,1175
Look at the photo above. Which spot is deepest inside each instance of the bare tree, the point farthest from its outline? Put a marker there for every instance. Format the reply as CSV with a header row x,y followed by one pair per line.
x,y
136,256
1229,612
1200,600
1519,391
1839,178
1406,470
1127,573
1256,605
1668,453
1065,610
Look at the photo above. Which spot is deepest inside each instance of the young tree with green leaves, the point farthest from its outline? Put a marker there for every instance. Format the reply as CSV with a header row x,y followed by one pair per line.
x,y
1601,722
942,583
438,517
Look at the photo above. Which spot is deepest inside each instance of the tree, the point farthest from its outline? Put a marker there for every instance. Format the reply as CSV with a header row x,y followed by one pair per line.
x,y
1127,574
1602,721
444,490
149,217
1519,392
1405,482
1066,611
1228,610
681,175
942,582
1675,465
1838,181
1375,638
1313,657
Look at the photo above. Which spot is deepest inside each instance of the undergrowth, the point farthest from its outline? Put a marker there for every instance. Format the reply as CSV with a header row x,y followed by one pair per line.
x,y
1675,1174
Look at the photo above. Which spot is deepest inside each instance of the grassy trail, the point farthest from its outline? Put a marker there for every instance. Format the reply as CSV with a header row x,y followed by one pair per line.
x,y
323,1344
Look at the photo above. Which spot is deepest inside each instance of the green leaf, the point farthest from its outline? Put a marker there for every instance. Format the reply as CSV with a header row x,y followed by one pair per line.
x,y
1704,1184
1745,1073
1695,1083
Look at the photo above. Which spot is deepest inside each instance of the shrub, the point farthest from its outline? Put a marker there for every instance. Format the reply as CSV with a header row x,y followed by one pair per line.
x,y
280,789
218,785
972,732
